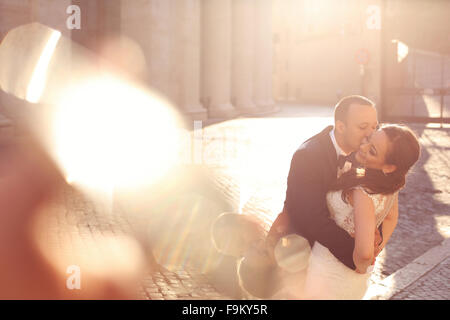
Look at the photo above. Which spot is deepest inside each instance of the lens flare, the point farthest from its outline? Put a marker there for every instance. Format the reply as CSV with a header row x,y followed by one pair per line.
x,y
292,253
38,79
108,133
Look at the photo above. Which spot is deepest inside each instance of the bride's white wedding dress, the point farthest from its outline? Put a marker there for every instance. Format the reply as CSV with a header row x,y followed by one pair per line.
x,y
327,278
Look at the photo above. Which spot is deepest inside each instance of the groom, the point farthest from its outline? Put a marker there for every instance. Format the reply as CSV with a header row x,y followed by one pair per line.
x,y
315,166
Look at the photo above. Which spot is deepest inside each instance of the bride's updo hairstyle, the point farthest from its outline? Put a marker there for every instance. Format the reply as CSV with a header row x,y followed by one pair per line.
x,y
403,152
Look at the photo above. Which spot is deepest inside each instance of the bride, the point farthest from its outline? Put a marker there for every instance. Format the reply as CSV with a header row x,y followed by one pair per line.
x,y
359,202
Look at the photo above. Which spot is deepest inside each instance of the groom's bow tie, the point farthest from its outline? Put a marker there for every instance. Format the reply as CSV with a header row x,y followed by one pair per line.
x,y
343,159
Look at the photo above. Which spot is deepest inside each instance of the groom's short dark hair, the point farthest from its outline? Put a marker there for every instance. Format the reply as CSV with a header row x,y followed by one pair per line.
x,y
341,108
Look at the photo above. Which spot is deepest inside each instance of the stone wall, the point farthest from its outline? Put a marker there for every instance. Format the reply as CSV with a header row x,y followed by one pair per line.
x,y
211,58
315,48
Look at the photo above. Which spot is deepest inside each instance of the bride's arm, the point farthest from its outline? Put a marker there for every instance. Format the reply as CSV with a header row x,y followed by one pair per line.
x,y
364,210
389,224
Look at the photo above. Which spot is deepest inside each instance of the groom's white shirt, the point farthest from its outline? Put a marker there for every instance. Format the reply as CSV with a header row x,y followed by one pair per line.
x,y
339,152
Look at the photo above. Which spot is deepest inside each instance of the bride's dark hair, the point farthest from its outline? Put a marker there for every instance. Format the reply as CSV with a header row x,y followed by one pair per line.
x,y
403,152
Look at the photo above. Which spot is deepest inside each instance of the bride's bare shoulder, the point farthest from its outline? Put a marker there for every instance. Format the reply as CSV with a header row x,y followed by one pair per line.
x,y
358,194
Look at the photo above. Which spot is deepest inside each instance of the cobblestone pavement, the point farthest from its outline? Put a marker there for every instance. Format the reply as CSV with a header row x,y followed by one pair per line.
x,y
434,285
250,159
76,229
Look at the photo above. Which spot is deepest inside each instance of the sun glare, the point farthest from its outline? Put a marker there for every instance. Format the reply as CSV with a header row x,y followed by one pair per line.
x,y
108,133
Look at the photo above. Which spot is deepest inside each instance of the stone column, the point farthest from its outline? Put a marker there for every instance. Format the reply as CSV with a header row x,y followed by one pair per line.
x,y
243,55
160,45
216,58
52,14
263,95
133,29
186,74
150,23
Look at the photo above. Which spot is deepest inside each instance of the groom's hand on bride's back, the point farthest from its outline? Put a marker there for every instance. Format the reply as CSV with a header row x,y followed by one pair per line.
x,y
377,246
378,237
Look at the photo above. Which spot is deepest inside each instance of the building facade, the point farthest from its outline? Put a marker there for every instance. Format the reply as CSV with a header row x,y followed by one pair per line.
x,y
326,49
210,58
223,58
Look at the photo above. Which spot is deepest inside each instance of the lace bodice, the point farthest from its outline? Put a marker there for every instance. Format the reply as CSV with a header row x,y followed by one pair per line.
x,y
342,213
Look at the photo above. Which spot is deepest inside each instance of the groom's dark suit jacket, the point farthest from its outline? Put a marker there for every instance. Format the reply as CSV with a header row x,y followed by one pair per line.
x,y
313,170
